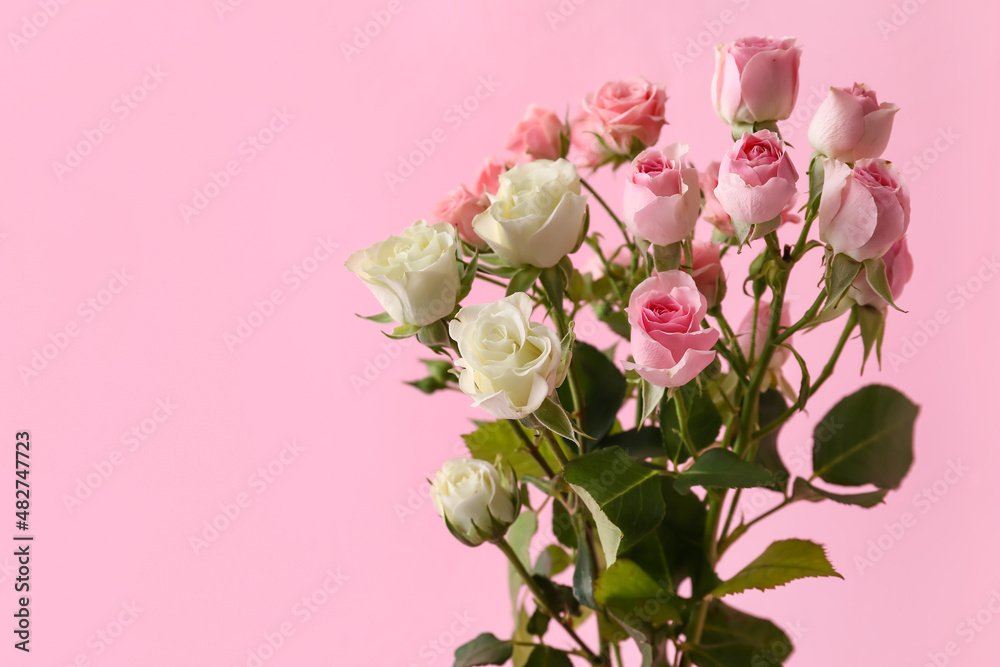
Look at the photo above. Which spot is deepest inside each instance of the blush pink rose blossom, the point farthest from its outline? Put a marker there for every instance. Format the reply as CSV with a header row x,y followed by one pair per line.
x,y
756,79
458,208
669,345
488,180
662,196
898,271
715,215
851,125
623,111
706,269
864,210
538,134
756,180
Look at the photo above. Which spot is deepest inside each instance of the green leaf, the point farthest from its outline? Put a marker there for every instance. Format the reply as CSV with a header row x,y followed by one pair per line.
x,y
742,232
523,280
651,396
840,275
552,561
485,649
803,490
552,416
816,178
562,525
603,387
403,331
538,624
558,597
737,128
867,438
732,638
617,320
634,597
583,576
872,321
772,405
782,562
434,334
877,280
554,283
721,468
666,258
519,537
704,421
644,444
492,439
381,318
469,276
546,656
521,636
623,496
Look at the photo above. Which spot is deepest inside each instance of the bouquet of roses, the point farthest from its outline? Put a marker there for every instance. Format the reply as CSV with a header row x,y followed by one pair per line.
x,y
637,454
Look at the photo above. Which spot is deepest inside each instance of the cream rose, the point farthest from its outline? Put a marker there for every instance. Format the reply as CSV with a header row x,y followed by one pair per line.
x,y
537,214
509,363
474,500
414,275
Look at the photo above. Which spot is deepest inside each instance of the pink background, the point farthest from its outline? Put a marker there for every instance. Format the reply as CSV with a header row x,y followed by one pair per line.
x,y
405,592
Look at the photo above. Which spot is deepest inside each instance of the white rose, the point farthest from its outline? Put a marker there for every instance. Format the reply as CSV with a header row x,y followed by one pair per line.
x,y
509,363
474,500
413,275
537,215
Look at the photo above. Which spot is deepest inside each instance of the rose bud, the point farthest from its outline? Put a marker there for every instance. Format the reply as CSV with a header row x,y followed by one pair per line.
x,y
756,181
458,208
706,269
510,364
539,134
587,137
626,112
477,504
756,79
413,275
851,125
488,181
715,215
662,195
898,271
863,210
536,218
669,345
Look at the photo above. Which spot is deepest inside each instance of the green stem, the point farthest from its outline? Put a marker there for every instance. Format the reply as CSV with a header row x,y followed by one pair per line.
x,y
540,598
827,371
711,554
728,540
806,318
555,445
532,448
733,344
607,208
682,420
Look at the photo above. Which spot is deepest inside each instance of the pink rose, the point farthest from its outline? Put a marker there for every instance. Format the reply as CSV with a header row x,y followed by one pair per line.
x,y
756,79
458,208
627,110
584,137
488,180
715,215
851,125
669,345
756,180
863,210
662,196
898,271
706,269
539,134
745,334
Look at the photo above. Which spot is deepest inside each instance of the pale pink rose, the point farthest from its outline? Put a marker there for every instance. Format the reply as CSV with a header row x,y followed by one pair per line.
x,y
662,196
756,180
627,110
898,271
539,134
706,269
488,180
756,79
715,215
745,334
863,210
851,125
458,208
585,138
669,345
